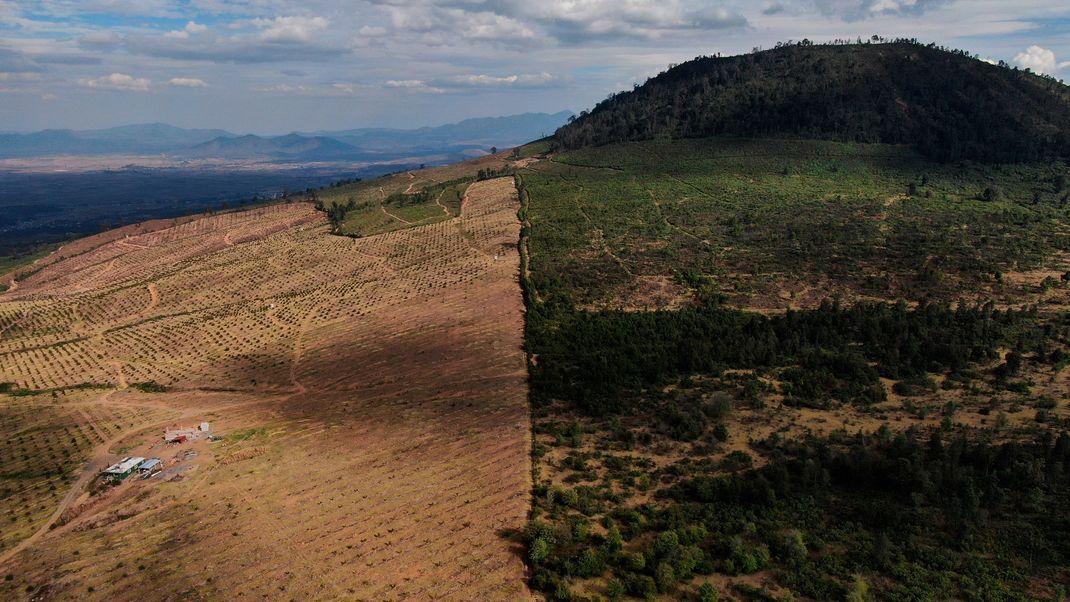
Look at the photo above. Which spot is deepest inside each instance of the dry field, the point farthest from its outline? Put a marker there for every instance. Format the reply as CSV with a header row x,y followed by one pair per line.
x,y
370,393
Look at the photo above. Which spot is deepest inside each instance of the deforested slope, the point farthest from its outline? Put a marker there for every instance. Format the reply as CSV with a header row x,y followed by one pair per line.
x,y
369,394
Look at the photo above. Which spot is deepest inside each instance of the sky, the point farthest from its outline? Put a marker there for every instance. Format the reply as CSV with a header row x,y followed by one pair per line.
x,y
275,66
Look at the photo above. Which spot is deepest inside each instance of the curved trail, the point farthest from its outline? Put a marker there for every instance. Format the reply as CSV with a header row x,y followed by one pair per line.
x,y
657,207
398,218
438,201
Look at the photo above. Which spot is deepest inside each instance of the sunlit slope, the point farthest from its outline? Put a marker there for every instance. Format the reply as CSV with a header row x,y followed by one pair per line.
x,y
371,396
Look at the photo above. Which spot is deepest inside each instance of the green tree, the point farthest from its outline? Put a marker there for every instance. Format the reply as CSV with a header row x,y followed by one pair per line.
x,y
859,590
797,552
540,549
708,593
665,577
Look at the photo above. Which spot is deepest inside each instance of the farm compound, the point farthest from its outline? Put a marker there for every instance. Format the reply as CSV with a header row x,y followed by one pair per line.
x,y
119,471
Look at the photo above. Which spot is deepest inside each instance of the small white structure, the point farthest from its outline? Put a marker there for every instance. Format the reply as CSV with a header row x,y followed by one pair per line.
x,y
204,427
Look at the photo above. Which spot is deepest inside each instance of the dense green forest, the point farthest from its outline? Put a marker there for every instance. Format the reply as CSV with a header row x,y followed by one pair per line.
x,y
870,516
947,104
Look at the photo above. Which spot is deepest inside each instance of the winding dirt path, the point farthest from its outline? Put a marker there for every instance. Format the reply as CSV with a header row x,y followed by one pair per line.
x,y
438,201
661,214
398,218
120,374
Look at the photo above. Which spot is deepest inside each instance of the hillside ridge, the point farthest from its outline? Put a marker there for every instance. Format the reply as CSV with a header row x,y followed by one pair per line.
x,y
947,104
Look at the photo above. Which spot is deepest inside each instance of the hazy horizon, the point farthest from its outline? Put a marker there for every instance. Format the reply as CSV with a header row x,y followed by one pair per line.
x,y
274,133
281,66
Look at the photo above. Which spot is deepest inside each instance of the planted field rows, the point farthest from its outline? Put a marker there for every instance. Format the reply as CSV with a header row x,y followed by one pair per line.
x,y
44,446
379,386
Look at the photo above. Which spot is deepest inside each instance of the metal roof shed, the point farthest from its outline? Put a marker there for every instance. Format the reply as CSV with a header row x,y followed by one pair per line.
x,y
121,470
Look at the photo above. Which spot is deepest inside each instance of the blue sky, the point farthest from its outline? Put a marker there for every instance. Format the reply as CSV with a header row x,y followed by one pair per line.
x,y
273,66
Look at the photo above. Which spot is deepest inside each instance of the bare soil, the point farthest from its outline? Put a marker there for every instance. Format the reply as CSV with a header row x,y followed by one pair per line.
x,y
371,396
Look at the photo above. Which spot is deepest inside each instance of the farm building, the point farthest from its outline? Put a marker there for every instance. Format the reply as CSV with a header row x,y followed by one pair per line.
x,y
186,434
150,466
180,435
119,471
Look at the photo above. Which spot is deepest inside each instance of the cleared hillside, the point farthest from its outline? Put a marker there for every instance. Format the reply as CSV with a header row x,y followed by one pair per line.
x,y
369,394
947,105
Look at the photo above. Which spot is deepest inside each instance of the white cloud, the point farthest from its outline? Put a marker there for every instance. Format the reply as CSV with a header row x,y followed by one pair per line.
x,y
48,97
503,81
18,76
290,29
346,88
188,82
415,85
117,81
285,88
371,31
855,10
184,33
578,22
493,28
1040,60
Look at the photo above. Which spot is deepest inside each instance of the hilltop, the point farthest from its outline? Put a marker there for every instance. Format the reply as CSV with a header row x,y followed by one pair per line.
x,y
947,104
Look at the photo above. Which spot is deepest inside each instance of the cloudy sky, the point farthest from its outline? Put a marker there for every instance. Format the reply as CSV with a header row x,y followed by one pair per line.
x,y
273,66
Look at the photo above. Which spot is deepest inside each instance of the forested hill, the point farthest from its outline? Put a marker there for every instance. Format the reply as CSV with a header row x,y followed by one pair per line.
x,y
947,104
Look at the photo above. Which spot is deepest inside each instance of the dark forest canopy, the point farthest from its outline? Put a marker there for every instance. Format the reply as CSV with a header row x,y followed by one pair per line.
x,y
947,104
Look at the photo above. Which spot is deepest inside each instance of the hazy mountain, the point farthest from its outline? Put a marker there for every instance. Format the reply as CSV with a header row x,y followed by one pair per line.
x,y
127,139
292,147
357,144
480,132
947,104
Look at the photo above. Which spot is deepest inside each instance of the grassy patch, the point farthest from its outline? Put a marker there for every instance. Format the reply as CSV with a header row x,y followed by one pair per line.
x,y
767,222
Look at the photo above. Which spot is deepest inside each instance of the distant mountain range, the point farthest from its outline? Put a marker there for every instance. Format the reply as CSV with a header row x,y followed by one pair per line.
x,y
370,144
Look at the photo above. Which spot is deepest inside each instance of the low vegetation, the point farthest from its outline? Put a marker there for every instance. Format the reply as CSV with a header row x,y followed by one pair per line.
x,y
773,224
770,370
